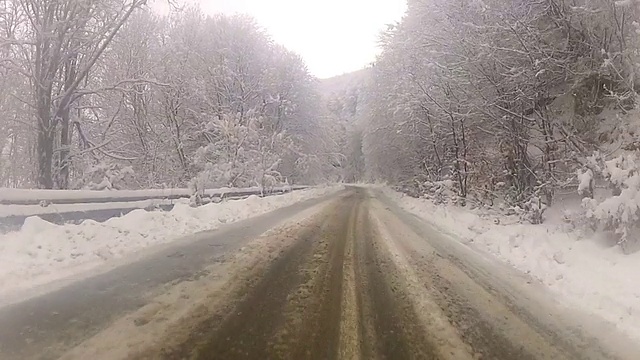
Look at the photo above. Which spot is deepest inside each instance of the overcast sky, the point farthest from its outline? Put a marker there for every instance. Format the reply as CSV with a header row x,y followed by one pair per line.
x,y
333,36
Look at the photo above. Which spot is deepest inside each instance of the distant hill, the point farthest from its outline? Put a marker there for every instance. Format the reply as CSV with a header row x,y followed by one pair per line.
x,y
345,100
343,83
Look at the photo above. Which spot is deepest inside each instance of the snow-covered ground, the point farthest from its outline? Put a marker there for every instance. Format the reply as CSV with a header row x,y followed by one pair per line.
x,y
41,252
583,268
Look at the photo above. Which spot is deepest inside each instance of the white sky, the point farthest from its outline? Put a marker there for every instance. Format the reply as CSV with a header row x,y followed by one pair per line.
x,y
333,36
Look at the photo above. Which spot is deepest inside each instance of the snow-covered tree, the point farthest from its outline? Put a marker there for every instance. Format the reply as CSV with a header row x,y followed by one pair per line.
x,y
488,93
54,46
111,87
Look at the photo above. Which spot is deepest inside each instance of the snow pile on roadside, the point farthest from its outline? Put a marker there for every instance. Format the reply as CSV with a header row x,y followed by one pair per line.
x,y
42,252
584,269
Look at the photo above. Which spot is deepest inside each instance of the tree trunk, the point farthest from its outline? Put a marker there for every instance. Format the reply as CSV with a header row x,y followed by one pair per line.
x,y
65,132
45,157
65,150
44,145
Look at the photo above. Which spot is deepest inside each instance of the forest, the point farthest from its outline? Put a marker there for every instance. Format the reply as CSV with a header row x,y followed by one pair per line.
x,y
473,102
110,95
505,104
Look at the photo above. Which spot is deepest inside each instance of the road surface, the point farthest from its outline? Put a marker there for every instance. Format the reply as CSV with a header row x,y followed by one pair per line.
x,y
344,277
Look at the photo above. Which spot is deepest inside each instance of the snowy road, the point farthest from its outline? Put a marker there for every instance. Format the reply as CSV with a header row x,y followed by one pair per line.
x,y
46,326
346,277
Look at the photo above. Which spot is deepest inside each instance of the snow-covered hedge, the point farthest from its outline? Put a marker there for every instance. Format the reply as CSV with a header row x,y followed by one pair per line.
x,y
620,212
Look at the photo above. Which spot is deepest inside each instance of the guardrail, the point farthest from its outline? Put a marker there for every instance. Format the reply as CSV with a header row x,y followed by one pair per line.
x,y
36,197
76,206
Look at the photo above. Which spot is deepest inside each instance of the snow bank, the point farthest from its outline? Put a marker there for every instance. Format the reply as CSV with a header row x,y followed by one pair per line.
x,y
585,270
42,252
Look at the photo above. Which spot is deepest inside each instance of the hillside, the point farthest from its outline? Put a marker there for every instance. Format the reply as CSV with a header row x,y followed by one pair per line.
x,y
345,82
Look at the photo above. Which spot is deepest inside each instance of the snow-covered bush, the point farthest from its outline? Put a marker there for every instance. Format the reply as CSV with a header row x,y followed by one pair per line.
x,y
440,192
620,212
106,175
242,153
532,210
585,182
